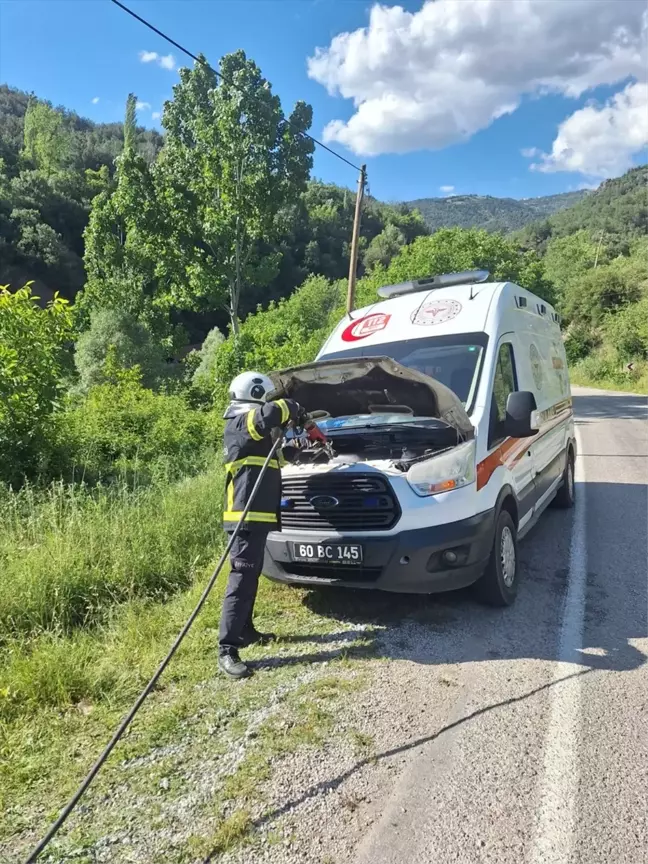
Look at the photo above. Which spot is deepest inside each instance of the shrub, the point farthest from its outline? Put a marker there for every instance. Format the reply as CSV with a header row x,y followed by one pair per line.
x,y
288,333
204,376
579,342
125,429
451,250
628,330
32,354
118,333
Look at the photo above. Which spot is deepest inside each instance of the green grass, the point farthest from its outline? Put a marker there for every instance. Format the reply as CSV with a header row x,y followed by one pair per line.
x,y
68,555
94,587
47,745
637,384
603,370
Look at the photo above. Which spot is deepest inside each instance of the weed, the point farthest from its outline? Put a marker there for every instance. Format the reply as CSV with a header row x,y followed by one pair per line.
x,y
362,742
228,833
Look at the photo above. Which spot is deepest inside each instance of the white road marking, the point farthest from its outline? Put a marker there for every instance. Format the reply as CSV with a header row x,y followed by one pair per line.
x,y
554,835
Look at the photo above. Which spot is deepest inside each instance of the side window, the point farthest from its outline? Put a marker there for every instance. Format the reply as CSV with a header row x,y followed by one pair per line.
x,y
504,383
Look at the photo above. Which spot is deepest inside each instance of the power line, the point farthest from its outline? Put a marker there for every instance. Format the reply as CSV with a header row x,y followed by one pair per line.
x,y
222,78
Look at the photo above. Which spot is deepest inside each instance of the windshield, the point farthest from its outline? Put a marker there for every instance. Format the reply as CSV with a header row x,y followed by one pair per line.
x,y
453,360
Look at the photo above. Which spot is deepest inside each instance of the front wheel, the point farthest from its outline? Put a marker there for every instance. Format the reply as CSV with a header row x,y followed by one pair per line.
x,y
566,495
499,584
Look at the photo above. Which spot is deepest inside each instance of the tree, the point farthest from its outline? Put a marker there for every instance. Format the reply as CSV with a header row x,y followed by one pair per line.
x,y
568,258
124,221
117,334
32,349
452,250
230,162
383,247
46,140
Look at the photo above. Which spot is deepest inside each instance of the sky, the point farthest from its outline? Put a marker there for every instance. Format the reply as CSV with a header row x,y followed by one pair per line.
x,y
513,98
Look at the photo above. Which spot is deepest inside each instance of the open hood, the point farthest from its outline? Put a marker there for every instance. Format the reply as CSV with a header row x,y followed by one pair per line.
x,y
359,385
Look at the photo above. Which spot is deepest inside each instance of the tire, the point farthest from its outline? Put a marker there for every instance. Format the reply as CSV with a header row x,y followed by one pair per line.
x,y
566,495
499,584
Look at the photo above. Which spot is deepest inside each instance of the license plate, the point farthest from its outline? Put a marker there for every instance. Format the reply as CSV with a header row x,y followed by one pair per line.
x,y
337,553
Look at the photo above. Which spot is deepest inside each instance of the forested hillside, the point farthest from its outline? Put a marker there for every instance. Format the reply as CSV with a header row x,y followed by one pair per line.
x,y
53,164
490,213
616,213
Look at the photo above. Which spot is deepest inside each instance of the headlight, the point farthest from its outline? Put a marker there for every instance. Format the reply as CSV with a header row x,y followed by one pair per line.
x,y
445,472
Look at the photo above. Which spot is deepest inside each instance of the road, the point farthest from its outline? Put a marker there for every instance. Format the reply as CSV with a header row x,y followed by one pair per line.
x,y
540,756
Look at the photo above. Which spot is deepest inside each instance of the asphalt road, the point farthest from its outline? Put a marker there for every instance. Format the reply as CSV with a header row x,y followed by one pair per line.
x,y
541,755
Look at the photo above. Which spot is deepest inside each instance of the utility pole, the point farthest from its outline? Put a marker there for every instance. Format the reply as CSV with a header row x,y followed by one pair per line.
x,y
353,262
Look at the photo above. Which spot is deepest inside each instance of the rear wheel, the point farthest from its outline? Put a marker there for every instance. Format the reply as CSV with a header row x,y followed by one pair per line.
x,y
566,495
499,584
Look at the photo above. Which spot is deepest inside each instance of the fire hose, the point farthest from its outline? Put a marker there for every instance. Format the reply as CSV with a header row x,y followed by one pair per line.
x,y
125,723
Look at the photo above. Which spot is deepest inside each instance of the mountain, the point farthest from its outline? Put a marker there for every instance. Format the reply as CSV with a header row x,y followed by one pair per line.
x,y
617,212
493,214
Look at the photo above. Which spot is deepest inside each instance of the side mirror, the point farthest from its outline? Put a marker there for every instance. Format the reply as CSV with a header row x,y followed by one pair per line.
x,y
519,408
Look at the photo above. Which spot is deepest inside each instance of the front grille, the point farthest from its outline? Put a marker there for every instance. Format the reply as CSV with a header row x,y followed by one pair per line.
x,y
365,502
336,572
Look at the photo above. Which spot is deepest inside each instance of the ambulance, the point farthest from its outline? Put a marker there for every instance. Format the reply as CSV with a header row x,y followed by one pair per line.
x,y
448,413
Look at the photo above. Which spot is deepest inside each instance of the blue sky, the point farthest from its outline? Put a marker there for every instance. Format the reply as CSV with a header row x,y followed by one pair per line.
x,y
75,51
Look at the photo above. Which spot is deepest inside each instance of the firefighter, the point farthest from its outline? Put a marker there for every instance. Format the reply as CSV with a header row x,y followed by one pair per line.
x,y
252,424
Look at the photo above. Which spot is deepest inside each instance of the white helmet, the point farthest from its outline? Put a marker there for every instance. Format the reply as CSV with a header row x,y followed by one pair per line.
x,y
250,387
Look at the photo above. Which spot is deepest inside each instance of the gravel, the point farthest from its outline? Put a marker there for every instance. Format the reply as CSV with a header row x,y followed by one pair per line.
x,y
320,802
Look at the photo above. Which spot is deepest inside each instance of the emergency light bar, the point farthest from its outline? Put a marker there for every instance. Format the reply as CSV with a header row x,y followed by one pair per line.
x,y
445,280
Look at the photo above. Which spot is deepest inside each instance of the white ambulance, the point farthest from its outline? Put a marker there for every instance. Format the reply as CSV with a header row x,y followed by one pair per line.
x,y
448,410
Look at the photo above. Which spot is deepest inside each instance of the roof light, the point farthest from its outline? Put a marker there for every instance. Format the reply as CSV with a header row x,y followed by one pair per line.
x,y
429,283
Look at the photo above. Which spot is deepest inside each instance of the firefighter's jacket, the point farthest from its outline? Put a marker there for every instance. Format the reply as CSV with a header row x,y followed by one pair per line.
x,y
248,440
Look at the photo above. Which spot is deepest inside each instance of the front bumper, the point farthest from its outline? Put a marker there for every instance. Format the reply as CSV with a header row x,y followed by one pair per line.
x,y
407,562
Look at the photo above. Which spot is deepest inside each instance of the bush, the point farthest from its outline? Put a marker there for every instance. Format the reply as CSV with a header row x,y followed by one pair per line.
x,y
125,430
288,333
628,330
579,342
204,377
68,555
116,333
452,250
32,355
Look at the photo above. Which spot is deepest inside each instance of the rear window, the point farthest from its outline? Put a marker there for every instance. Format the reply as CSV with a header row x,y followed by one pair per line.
x,y
454,360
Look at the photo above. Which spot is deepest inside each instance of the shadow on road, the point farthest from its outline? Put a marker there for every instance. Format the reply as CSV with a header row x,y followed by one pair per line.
x,y
610,406
401,626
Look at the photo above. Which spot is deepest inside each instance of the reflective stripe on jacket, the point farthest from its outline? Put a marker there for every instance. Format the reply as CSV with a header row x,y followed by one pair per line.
x,y
248,442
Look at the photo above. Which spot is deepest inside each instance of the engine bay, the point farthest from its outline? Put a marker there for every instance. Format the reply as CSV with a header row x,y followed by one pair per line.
x,y
404,443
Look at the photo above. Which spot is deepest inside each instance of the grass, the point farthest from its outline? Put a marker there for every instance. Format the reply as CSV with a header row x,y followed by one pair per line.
x,y
72,659
637,384
189,726
604,371
69,555
228,833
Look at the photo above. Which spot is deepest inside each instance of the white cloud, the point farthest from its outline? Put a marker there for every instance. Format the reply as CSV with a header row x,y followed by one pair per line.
x,y
447,190
142,106
95,101
530,152
156,115
434,77
167,61
164,61
600,141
